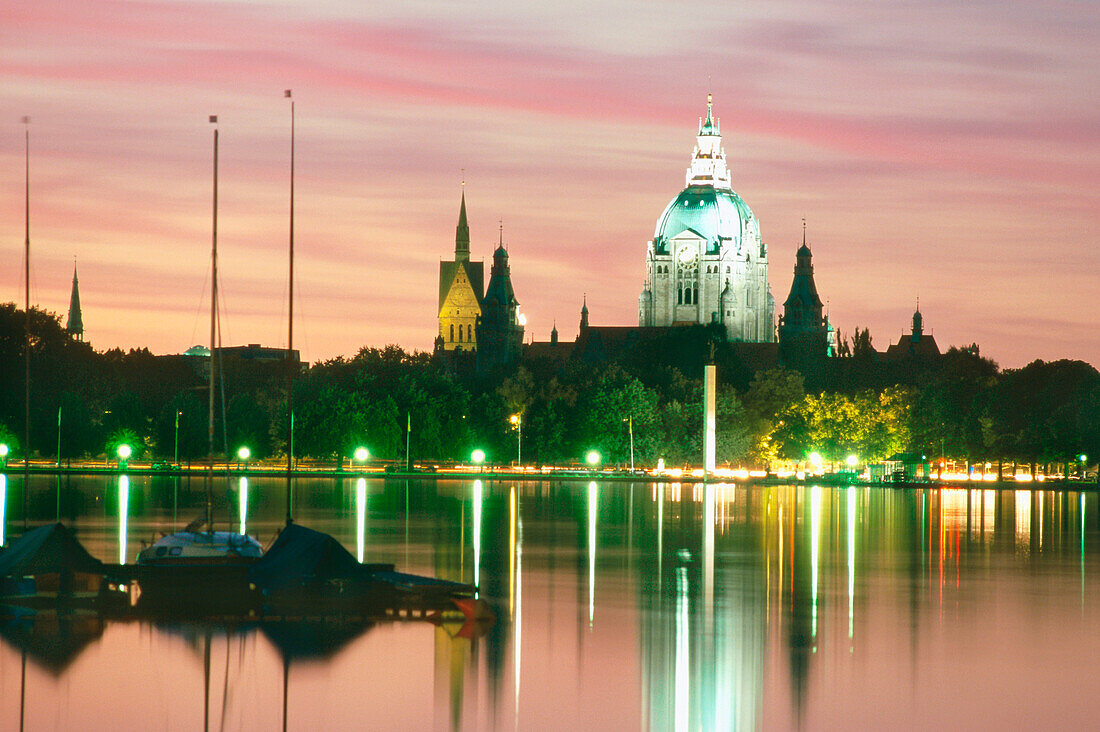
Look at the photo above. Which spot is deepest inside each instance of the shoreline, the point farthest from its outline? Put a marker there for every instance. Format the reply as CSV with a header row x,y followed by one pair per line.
x,y
534,475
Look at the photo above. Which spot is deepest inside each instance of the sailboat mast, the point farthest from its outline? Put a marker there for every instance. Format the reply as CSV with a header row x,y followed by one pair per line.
x,y
213,321
290,337
27,318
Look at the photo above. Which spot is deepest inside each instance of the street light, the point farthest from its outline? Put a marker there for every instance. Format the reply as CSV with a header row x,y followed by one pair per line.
x,y
1083,458
592,458
852,461
243,454
362,454
124,452
478,457
4,455
176,454
630,428
815,460
517,422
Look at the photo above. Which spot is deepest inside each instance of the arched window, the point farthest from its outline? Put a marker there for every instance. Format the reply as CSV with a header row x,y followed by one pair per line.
x,y
680,295
452,332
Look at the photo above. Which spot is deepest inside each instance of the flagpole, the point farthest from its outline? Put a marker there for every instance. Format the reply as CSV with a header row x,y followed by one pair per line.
x,y
290,337
27,317
213,345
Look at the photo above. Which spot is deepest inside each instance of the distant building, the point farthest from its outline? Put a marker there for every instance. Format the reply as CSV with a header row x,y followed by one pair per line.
x,y
804,330
916,345
707,262
460,291
485,323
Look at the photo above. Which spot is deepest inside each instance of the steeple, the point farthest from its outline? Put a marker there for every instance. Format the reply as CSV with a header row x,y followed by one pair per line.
x,y
918,323
708,161
554,334
462,231
584,312
75,324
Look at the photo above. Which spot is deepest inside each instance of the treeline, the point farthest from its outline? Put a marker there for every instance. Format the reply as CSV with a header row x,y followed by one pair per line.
x,y
961,405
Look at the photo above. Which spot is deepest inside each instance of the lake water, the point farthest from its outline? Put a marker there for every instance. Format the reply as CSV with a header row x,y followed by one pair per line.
x,y
619,606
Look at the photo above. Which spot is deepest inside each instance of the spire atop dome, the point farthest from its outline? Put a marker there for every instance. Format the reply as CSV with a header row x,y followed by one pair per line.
x,y
918,322
462,231
708,161
709,126
75,323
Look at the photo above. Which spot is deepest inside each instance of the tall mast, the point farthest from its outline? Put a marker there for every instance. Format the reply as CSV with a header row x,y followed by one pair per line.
x,y
213,345
27,317
290,337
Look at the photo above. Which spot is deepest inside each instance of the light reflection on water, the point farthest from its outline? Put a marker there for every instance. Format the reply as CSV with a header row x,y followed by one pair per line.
x,y
618,606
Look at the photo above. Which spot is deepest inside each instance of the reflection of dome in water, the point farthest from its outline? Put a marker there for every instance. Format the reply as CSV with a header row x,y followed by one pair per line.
x,y
718,215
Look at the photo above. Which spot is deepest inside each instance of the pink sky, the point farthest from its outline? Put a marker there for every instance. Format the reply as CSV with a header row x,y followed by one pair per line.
x,y
946,150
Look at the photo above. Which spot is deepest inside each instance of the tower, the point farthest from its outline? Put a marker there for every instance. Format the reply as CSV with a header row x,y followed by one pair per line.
x,y
500,327
803,330
460,288
707,262
74,325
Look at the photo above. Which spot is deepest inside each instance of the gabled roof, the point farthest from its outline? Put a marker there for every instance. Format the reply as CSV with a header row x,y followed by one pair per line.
x,y
475,274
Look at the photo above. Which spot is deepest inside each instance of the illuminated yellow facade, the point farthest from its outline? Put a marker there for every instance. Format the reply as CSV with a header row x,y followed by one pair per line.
x,y
460,284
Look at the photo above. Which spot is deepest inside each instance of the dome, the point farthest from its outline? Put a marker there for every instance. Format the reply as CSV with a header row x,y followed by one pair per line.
x,y
718,215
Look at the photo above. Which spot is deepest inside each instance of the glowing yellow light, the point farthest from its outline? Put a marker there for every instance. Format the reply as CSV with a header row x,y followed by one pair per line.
x,y
361,454
851,460
592,457
124,452
244,453
815,459
478,456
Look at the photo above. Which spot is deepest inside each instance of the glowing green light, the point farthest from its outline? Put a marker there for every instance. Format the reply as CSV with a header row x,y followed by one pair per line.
x,y
124,452
592,457
361,454
244,453
478,456
852,460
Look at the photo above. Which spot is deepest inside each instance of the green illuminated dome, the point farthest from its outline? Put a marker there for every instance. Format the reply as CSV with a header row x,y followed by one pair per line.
x,y
718,215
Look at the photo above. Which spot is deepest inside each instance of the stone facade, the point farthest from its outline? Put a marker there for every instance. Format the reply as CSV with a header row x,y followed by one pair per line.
x,y
707,262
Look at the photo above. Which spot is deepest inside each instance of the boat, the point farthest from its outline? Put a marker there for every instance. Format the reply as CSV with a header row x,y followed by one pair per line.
x,y
198,566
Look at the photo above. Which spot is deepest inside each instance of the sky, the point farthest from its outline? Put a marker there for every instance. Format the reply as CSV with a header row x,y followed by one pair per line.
x,y
943,150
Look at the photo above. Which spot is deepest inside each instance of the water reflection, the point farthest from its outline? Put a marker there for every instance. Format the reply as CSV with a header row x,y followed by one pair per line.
x,y
3,508
721,607
242,504
123,515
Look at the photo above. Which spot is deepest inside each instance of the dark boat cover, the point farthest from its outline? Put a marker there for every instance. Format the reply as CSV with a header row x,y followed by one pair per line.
x,y
302,556
46,550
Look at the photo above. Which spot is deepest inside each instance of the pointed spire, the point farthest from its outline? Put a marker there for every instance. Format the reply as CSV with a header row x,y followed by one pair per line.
x,y
75,323
462,231
554,333
584,312
709,126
